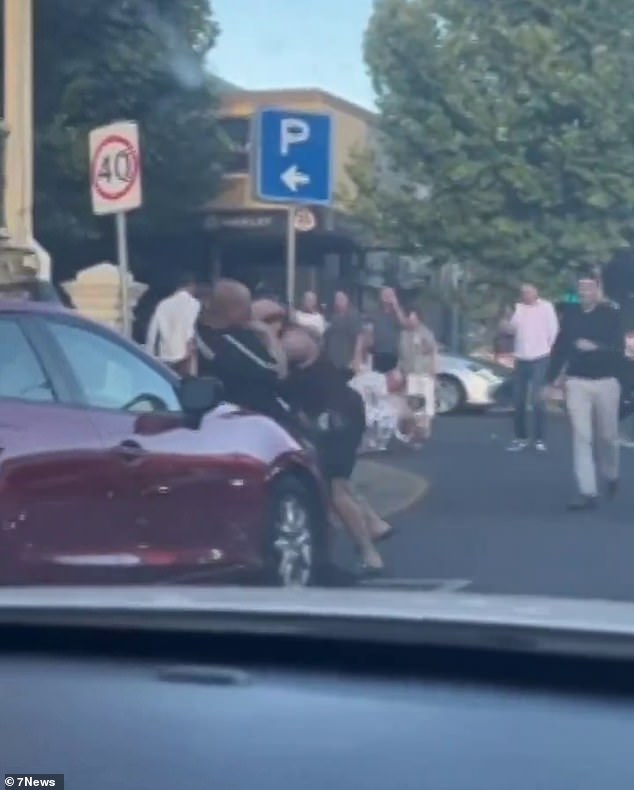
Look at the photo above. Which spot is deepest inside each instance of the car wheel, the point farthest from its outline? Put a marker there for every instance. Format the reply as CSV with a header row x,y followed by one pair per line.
x,y
450,395
290,542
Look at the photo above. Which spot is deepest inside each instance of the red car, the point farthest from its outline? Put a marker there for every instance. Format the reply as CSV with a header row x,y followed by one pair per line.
x,y
111,468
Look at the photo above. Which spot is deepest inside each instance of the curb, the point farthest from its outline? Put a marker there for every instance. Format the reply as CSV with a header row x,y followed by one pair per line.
x,y
376,481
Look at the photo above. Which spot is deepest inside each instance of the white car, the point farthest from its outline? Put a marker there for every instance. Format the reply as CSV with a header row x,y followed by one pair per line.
x,y
466,382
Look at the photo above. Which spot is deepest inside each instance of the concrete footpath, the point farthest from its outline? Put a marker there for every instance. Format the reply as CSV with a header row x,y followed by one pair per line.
x,y
389,489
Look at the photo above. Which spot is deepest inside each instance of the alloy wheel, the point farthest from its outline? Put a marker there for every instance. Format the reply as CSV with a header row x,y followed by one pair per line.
x,y
448,395
293,543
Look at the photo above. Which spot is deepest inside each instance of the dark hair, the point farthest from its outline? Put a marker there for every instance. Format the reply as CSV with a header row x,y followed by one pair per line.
x,y
185,278
333,298
589,273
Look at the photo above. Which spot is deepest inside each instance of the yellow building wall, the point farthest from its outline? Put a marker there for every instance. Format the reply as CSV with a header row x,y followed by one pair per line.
x,y
351,134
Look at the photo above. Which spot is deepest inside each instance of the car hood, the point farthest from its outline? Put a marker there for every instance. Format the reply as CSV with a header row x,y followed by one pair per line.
x,y
514,623
458,362
464,366
231,427
469,362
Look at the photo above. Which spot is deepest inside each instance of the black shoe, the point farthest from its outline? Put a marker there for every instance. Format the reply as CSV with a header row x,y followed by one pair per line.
x,y
331,575
612,488
583,503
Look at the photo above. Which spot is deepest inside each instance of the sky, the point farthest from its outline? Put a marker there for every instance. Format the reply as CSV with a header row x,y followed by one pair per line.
x,y
294,43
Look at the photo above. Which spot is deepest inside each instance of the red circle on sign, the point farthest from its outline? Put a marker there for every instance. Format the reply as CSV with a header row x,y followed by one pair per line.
x,y
126,145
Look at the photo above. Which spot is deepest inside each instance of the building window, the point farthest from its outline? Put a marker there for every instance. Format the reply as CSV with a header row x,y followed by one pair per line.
x,y
238,133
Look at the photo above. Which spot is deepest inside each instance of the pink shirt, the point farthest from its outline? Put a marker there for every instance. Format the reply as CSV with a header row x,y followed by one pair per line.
x,y
535,326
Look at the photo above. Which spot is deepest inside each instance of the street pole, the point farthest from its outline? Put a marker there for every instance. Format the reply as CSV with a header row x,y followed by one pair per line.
x,y
291,255
4,134
18,114
122,260
455,327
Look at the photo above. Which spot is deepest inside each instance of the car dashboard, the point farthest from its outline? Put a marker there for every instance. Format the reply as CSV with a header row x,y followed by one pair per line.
x,y
134,708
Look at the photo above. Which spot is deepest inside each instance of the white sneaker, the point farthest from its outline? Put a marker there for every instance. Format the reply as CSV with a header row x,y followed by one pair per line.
x,y
401,436
517,445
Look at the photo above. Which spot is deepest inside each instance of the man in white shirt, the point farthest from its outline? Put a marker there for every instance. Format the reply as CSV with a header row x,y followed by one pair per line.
x,y
171,332
535,326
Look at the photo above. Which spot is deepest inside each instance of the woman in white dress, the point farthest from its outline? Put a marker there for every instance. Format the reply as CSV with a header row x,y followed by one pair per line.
x,y
418,361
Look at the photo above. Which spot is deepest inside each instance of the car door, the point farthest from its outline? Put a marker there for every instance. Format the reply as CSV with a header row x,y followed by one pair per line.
x,y
52,493
171,490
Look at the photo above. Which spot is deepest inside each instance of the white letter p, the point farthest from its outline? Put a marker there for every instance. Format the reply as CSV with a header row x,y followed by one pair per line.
x,y
293,131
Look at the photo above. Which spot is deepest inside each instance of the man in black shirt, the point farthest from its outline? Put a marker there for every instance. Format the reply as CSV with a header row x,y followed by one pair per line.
x,y
589,351
244,359
251,363
318,390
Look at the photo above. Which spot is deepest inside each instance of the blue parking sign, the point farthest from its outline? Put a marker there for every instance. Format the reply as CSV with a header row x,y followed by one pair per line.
x,y
293,157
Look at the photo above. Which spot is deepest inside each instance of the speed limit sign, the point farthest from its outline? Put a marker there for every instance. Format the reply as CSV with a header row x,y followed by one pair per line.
x,y
115,188
115,168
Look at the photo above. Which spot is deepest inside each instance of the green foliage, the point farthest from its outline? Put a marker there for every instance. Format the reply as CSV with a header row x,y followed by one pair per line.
x,y
519,118
143,60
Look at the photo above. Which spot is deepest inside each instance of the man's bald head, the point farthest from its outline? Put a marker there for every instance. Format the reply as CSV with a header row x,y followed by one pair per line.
x,y
299,345
231,292
230,304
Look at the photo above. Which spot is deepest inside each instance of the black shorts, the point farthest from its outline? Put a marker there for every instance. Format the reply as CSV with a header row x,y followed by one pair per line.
x,y
337,449
383,362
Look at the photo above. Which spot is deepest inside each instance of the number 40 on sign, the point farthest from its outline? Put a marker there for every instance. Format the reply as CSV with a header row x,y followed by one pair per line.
x,y
115,168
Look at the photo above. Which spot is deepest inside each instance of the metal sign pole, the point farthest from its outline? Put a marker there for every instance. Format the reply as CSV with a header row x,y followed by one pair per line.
x,y
122,259
291,255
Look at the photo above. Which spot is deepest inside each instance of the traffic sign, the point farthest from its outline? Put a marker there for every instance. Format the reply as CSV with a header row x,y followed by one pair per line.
x,y
293,157
115,168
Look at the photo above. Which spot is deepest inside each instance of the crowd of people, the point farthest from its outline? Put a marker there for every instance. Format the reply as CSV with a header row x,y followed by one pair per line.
x,y
340,383
391,354
345,382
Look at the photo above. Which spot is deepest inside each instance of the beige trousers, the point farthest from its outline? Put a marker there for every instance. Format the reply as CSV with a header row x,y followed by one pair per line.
x,y
593,407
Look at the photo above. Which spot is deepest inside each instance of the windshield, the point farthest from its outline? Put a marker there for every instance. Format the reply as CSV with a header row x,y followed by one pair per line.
x,y
351,291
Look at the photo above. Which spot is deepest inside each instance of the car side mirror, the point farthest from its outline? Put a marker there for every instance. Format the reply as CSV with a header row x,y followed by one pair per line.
x,y
199,395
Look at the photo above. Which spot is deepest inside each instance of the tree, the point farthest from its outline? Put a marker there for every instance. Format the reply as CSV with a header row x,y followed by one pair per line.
x,y
96,62
511,126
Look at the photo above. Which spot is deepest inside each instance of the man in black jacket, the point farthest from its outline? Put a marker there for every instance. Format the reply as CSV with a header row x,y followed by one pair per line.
x,y
232,349
589,351
251,363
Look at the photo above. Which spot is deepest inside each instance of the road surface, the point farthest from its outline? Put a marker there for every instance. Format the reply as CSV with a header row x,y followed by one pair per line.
x,y
495,522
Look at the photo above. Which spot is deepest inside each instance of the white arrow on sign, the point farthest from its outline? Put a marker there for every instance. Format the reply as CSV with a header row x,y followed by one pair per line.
x,y
294,178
